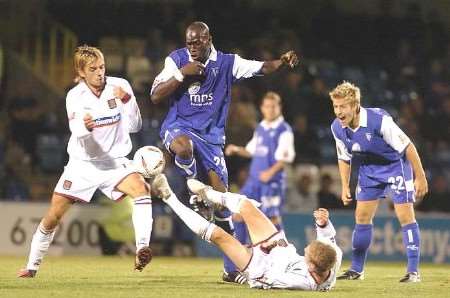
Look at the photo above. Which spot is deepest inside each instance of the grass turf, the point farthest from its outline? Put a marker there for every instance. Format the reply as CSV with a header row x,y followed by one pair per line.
x,y
192,277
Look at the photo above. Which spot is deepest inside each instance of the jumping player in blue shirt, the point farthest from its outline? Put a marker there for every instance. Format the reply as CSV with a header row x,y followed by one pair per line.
x,y
388,164
197,80
271,148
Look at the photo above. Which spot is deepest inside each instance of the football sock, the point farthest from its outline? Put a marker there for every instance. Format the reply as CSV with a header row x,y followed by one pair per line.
x,y
187,167
226,199
39,247
411,241
192,219
142,221
362,236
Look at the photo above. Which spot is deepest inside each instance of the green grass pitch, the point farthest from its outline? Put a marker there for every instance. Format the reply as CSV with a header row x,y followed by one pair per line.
x,y
194,277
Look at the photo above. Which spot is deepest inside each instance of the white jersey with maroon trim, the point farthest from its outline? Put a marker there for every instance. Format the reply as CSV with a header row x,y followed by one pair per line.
x,y
114,121
284,268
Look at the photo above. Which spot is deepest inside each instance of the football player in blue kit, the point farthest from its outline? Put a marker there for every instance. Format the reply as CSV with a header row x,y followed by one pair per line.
x,y
271,148
387,163
196,81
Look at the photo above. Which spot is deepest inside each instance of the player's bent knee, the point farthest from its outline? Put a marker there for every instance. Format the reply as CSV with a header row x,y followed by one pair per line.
x,y
182,147
363,218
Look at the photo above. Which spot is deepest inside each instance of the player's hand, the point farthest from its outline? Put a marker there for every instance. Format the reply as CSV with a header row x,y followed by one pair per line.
x,y
346,196
194,68
89,122
290,59
321,216
421,187
265,176
231,150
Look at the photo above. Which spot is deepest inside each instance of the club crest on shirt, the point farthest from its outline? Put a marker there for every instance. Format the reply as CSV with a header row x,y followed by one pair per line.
x,y
215,71
356,147
112,103
368,136
67,184
194,88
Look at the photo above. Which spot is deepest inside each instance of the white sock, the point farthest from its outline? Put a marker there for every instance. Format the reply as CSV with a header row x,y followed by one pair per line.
x,y
228,199
194,221
142,221
39,247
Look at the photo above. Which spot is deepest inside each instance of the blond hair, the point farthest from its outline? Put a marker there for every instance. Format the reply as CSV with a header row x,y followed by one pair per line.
x,y
272,96
83,56
347,91
321,255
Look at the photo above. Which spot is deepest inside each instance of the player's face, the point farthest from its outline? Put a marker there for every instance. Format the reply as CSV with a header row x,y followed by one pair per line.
x,y
94,73
198,44
345,111
270,109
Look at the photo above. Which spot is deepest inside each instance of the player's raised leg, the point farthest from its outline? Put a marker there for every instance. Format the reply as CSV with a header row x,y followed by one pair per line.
x,y
259,226
44,234
183,149
206,230
134,185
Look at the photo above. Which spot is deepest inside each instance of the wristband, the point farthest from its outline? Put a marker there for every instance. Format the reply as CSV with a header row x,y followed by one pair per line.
x,y
178,76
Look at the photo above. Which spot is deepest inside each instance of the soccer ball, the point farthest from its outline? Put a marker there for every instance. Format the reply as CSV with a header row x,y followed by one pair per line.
x,y
149,161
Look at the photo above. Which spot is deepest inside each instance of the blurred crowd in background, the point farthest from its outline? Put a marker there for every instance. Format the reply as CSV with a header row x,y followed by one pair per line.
x,y
401,63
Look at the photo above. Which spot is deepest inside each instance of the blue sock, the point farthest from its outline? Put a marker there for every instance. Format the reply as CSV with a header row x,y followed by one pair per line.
x,y
279,227
411,241
240,231
187,167
362,236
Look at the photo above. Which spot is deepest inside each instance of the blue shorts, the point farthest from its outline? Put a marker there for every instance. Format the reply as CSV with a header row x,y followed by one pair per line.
x,y
208,156
394,180
270,195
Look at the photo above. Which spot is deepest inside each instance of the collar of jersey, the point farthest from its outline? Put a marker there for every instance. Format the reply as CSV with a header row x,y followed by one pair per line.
x,y
362,119
87,89
274,124
212,55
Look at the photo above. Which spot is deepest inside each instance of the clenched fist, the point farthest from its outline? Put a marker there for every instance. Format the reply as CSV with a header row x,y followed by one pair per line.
x,y
290,59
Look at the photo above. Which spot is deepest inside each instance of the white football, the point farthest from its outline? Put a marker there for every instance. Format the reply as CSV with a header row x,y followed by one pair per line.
x,y
149,161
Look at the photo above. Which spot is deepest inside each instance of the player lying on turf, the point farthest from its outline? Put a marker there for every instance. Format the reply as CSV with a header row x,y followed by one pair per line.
x,y
271,262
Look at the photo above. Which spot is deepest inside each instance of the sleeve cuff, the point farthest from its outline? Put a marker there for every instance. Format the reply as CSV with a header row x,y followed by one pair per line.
x,y
178,76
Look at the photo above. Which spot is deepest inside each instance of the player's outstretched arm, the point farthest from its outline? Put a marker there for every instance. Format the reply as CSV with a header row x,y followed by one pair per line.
x,y
232,149
420,180
289,59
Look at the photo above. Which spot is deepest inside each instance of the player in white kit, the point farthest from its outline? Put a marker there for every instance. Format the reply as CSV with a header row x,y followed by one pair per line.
x,y
272,262
102,112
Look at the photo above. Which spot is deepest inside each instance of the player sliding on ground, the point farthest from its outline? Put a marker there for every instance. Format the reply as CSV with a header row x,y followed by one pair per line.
x,y
271,262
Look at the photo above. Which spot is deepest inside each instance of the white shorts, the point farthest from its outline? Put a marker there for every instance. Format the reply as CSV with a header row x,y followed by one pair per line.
x,y
81,179
264,264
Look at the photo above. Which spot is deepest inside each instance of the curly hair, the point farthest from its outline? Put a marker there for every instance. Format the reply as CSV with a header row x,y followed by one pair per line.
x,y
321,255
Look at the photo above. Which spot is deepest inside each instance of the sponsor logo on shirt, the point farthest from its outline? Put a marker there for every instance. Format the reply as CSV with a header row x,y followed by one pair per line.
x,y
199,99
215,71
105,121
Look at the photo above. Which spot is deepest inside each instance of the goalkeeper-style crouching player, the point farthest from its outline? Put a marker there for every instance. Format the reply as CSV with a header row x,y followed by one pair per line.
x,y
271,262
